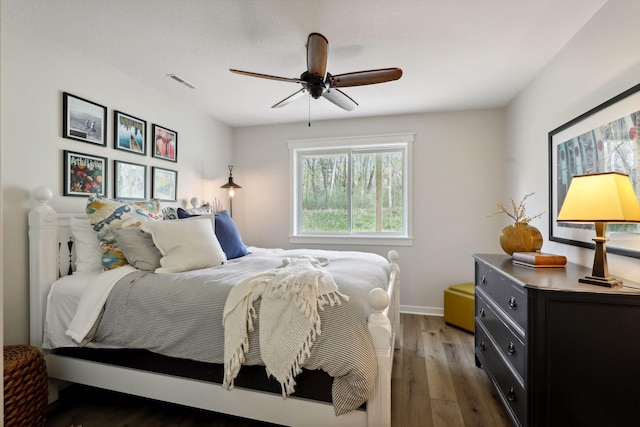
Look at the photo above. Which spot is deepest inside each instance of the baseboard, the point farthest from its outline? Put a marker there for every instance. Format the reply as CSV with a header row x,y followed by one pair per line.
x,y
425,311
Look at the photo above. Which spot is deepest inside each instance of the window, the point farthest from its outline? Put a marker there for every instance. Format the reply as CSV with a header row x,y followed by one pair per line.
x,y
353,190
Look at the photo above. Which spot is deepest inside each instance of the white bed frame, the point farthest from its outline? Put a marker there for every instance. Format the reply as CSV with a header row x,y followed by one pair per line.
x,y
50,258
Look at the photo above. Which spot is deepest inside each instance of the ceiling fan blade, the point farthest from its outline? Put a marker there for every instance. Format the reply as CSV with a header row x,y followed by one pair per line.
x,y
290,98
266,76
360,78
340,99
317,47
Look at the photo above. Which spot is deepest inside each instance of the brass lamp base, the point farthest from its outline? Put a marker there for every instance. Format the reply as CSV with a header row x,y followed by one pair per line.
x,y
608,282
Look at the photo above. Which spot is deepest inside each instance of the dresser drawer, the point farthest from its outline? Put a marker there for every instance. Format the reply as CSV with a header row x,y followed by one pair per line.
x,y
511,391
508,297
508,343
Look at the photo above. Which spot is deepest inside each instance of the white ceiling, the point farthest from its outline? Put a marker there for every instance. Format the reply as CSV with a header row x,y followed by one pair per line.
x,y
455,54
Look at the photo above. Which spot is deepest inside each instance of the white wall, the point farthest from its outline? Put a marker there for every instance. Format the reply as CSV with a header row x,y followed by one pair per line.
x,y
601,61
457,175
35,72
1,268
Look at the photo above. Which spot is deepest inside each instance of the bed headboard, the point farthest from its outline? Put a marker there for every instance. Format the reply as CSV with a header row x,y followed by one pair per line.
x,y
51,256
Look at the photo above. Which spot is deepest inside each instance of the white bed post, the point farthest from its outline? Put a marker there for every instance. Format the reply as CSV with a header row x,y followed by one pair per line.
x,y
394,293
43,253
382,335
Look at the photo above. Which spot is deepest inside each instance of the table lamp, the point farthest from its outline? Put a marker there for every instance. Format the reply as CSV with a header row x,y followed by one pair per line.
x,y
600,198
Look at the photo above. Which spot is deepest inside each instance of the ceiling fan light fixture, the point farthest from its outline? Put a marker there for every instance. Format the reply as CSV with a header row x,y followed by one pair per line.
x,y
316,90
318,83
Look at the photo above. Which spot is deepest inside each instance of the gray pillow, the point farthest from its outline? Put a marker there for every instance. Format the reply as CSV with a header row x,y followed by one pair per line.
x,y
138,248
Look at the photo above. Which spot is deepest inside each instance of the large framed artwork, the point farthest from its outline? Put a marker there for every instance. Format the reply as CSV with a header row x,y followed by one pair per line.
x,y
164,184
129,133
165,143
84,174
130,180
604,139
84,120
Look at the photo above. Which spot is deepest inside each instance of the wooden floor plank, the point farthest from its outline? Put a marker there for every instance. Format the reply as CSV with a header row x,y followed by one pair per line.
x,y
412,335
446,414
448,334
438,375
396,401
488,392
416,405
475,401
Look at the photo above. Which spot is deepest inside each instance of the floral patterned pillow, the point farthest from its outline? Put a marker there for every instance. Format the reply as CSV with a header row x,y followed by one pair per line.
x,y
106,214
170,213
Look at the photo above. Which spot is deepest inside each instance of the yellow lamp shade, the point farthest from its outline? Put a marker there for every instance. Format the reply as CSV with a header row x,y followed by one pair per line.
x,y
604,197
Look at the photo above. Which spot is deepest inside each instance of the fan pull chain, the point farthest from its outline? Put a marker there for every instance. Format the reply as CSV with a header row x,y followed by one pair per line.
x,y
309,110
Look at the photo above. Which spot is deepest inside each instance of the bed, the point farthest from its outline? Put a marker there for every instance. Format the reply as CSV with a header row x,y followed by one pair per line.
x,y
52,258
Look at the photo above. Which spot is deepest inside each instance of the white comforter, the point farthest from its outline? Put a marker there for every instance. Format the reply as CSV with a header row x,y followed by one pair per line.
x,y
93,300
180,315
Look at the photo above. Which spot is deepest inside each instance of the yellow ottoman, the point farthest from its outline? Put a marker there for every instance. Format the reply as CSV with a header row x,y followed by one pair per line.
x,y
459,306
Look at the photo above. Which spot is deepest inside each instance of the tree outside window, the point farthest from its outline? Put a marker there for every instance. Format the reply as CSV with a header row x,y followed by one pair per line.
x,y
351,190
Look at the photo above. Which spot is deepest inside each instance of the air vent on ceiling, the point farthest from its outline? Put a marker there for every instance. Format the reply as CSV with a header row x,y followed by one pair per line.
x,y
181,80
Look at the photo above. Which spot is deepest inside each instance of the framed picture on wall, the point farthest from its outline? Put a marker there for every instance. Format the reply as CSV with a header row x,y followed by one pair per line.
x,y
164,184
84,174
129,133
604,139
165,143
130,180
83,120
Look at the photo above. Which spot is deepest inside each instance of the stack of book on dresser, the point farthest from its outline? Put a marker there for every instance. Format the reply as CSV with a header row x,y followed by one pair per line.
x,y
539,259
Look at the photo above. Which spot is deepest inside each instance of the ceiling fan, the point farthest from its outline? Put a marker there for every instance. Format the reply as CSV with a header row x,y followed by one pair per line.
x,y
317,82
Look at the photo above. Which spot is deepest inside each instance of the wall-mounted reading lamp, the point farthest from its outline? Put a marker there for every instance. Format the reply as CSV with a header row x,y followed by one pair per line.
x,y
231,187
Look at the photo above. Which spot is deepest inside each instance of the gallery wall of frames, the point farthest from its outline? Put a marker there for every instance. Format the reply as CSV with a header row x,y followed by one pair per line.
x,y
85,174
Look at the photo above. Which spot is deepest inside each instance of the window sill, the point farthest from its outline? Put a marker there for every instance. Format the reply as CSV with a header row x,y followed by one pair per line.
x,y
353,240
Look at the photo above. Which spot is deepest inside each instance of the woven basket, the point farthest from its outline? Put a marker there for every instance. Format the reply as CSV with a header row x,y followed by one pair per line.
x,y
25,386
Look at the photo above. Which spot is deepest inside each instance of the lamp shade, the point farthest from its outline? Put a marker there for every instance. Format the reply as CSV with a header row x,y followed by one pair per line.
x,y
603,197
230,185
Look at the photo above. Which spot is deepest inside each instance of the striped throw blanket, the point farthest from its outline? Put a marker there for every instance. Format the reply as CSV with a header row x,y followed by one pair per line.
x,y
291,297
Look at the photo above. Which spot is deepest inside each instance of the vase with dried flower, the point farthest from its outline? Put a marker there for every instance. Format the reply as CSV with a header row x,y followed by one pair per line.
x,y
519,236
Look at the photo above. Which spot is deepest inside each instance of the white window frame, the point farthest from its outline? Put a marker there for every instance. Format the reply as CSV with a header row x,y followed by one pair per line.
x,y
374,142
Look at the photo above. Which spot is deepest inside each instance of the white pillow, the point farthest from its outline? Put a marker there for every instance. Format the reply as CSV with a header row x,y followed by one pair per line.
x,y
87,246
209,217
185,245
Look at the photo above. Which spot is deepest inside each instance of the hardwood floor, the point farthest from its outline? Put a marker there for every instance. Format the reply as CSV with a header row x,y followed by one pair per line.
x,y
435,381
435,384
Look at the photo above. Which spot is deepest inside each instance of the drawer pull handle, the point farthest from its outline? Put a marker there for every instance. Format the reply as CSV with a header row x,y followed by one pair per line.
x,y
512,303
482,346
511,394
482,312
483,280
511,349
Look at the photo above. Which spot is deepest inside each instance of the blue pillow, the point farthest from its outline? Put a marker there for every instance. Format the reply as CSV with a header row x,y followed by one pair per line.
x,y
226,232
182,214
229,236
